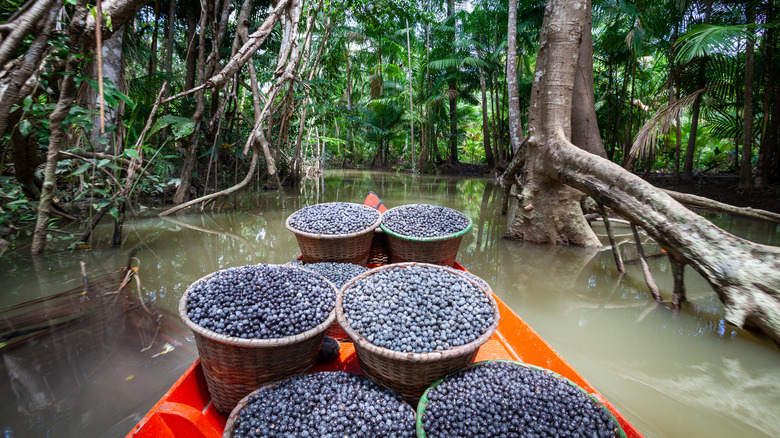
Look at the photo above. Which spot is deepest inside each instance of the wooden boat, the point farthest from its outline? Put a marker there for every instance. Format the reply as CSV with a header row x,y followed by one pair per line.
x,y
186,409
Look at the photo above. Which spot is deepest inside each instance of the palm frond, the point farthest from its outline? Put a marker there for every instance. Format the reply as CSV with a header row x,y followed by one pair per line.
x,y
387,101
708,39
464,43
434,99
724,124
475,63
444,64
660,123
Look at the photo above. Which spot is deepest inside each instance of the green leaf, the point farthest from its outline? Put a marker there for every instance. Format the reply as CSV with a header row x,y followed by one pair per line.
x,y
130,153
180,126
102,204
113,211
27,103
103,162
83,168
24,127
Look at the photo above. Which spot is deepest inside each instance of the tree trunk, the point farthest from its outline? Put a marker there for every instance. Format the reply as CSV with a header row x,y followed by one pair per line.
x,y
191,152
192,51
411,96
548,211
170,36
494,120
584,123
112,70
746,170
25,157
515,119
153,55
491,161
23,26
19,80
56,136
452,86
672,98
500,122
768,151
687,173
745,275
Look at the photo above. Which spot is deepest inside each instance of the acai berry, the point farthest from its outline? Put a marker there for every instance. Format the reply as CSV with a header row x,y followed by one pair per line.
x,y
338,273
424,220
261,302
502,399
334,218
417,309
329,404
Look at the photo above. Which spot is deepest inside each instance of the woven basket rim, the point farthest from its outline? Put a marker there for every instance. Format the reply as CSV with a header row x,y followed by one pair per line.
x,y
390,232
246,342
236,412
370,228
424,398
457,351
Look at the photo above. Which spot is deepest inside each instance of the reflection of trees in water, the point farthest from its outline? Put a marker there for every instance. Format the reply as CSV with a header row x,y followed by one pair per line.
x,y
744,395
72,380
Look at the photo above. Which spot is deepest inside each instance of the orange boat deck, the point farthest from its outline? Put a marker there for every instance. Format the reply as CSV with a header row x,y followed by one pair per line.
x,y
186,410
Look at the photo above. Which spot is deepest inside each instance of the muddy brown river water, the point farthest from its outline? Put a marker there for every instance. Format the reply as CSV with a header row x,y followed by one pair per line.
x,y
685,374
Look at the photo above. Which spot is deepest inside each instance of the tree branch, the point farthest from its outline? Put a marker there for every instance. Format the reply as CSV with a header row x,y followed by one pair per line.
x,y
700,201
225,192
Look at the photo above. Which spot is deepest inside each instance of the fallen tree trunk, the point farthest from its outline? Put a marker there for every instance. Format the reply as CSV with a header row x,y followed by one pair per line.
x,y
744,275
702,202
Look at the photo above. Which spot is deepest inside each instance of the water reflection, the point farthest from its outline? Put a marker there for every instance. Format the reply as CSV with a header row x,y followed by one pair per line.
x,y
671,374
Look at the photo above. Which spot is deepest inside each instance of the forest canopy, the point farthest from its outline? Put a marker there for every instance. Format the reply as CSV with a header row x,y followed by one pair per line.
x,y
107,107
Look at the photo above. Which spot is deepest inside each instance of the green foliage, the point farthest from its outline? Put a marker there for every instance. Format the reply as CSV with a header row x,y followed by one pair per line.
x,y
180,127
708,40
16,209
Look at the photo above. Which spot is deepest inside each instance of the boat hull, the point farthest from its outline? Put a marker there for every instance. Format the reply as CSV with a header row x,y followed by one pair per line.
x,y
186,409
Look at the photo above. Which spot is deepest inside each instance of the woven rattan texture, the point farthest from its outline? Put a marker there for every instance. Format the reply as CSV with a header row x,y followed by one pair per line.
x,y
234,367
438,252
380,249
336,332
340,248
410,374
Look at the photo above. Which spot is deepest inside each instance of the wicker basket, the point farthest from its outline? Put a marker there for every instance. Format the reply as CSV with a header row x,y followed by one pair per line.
x,y
380,249
341,248
234,367
424,399
410,374
440,250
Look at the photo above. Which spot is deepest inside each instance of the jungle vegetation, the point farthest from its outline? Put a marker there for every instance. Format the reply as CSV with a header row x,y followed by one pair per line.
x,y
105,106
